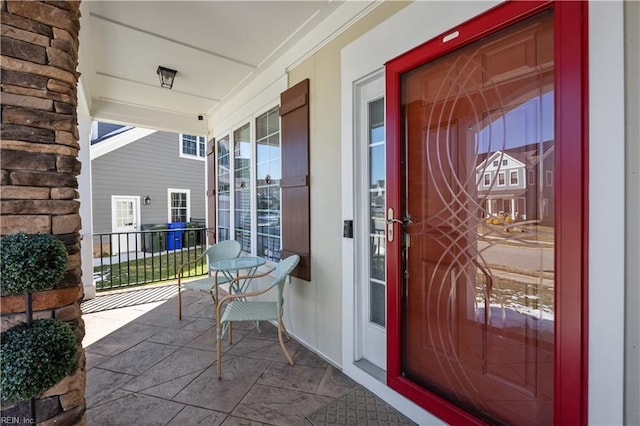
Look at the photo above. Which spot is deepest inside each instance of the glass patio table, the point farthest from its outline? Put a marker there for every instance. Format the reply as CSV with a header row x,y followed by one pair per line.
x,y
234,265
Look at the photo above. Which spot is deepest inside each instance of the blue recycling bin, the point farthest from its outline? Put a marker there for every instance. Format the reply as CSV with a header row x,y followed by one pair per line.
x,y
174,238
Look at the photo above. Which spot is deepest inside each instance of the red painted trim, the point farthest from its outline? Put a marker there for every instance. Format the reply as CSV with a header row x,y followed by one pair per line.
x,y
570,405
394,269
571,333
489,22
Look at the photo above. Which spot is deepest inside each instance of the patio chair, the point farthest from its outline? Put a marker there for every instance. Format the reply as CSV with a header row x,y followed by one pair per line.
x,y
242,309
222,250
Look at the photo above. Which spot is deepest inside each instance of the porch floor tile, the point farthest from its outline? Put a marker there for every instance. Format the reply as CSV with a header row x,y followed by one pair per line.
x,y
158,370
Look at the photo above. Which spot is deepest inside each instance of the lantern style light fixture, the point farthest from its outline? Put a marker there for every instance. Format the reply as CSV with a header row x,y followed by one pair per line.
x,y
166,76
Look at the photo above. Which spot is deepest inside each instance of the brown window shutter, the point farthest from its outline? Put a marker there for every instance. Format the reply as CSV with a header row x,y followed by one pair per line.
x,y
211,191
296,224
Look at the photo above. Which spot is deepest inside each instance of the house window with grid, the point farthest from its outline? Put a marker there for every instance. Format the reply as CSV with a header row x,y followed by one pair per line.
x,y
242,186
513,177
248,175
224,190
268,177
501,179
179,205
192,146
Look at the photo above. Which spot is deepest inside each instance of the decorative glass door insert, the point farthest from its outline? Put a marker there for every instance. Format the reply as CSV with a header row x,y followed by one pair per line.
x,y
477,323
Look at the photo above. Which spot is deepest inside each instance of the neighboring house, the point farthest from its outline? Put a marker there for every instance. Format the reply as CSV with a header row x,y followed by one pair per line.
x,y
501,185
143,177
508,182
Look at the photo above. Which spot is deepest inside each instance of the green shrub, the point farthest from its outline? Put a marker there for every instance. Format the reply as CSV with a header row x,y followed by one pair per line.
x,y
31,263
36,357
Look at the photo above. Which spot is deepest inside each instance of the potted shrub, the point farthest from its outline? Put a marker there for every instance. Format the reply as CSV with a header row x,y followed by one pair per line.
x,y
37,354
31,263
36,357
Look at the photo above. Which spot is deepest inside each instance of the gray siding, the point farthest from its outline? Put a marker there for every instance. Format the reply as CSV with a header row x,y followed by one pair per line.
x,y
147,166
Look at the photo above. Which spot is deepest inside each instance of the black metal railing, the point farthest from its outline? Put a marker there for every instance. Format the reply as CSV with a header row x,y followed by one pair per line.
x,y
127,259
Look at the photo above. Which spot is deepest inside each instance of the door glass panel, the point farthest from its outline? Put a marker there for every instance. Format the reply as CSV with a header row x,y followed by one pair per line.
x,y
124,213
478,296
377,289
224,190
377,305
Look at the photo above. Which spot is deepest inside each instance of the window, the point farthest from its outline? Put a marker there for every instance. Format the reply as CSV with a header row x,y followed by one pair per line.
x,y
495,163
513,177
548,176
242,186
248,177
192,146
501,179
268,177
504,162
224,190
487,179
377,204
179,205
531,177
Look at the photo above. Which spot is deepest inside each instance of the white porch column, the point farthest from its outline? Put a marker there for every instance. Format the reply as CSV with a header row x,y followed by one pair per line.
x,y
84,188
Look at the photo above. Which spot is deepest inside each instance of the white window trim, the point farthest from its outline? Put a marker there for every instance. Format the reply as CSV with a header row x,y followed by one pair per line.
x,y
511,172
504,176
200,139
548,178
531,177
484,180
174,190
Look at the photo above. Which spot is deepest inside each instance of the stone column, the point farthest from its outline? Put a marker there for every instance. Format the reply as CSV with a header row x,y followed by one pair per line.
x,y
39,56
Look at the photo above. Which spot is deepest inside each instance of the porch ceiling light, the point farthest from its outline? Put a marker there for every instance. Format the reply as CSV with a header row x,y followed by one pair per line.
x,y
166,76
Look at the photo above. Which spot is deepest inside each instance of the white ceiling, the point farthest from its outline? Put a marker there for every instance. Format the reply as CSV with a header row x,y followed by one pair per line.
x,y
216,47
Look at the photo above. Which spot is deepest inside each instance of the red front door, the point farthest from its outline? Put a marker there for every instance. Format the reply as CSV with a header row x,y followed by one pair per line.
x,y
475,262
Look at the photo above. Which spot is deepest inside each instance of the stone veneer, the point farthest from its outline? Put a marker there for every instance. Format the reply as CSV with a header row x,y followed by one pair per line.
x,y
39,56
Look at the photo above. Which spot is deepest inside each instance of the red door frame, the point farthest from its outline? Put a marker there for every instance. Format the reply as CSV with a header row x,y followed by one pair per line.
x,y
571,210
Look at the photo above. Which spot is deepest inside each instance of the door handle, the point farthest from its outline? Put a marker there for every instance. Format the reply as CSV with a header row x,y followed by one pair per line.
x,y
391,220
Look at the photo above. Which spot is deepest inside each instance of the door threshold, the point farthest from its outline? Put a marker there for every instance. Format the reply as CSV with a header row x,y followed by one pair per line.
x,y
371,369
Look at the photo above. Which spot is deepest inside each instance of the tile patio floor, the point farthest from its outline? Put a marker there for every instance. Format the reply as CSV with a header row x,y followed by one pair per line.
x,y
158,370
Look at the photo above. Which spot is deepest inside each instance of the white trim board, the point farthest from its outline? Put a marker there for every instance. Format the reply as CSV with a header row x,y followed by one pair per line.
x,y
118,141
